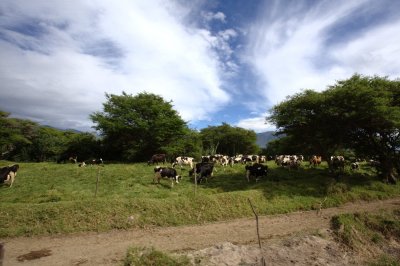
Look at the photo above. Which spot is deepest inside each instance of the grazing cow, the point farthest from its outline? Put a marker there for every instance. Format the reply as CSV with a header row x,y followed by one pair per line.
x,y
247,159
181,160
256,170
337,163
166,172
354,166
294,163
157,158
315,160
203,169
96,161
224,160
8,173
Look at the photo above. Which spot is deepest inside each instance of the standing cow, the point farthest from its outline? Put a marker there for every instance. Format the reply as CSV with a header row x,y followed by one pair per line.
x,y
256,170
8,173
202,171
166,172
183,160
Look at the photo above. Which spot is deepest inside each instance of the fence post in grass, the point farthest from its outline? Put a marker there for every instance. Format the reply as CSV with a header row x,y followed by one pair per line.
x,y
258,233
97,180
1,253
195,182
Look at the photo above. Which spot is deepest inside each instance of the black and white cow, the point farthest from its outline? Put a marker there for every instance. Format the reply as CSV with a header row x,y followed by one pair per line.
x,y
202,171
166,172
337,163
92,162
256,170
354,166
8,173
182,160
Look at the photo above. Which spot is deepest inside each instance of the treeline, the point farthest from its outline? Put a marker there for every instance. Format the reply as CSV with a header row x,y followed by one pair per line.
x,y
130,129
360,115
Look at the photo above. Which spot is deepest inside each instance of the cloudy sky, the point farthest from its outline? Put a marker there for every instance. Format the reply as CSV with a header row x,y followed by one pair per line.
x,y
218,61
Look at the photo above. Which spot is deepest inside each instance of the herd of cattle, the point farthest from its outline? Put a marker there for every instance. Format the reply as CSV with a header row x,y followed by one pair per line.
x,y
253,165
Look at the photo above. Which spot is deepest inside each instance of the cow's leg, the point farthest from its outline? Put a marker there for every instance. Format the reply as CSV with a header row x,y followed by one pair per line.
x,y
12,177
157,177
248,175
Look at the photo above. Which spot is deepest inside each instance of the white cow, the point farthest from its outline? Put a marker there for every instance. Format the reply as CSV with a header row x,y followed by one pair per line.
x,y
183,160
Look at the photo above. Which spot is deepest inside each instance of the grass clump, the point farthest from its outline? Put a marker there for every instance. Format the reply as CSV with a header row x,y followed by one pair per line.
x,y
150,257
371,234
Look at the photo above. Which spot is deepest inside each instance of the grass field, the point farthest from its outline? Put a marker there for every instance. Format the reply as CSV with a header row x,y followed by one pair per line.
x,y
49,198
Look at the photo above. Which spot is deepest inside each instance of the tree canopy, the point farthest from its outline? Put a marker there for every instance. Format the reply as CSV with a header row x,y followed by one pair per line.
x,y
228,140
135,127
361,113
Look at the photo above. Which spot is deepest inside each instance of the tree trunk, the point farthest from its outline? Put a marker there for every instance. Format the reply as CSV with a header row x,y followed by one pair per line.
x,y
389,173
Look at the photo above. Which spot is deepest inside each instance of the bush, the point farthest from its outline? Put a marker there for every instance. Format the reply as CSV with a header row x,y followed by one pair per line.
x,y
149,256
337,189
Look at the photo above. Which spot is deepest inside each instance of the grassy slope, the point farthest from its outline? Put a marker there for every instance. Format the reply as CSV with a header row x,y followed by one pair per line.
x,y
373,235
47,198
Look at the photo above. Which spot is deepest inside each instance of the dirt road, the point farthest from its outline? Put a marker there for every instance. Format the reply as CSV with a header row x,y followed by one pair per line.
x,y
110,248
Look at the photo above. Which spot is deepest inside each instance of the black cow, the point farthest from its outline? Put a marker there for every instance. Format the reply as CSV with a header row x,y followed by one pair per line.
x,y
204,170
256,170
166,172
157,158
8,173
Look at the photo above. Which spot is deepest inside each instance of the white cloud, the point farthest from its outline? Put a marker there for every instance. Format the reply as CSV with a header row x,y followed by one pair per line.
x,y
258,124
80,50
289,52
209,16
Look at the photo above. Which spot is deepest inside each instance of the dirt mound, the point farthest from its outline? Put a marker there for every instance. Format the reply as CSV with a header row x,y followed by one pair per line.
x,y
318,249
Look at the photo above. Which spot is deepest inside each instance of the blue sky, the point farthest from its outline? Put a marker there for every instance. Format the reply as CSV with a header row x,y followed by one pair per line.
x,y
218,61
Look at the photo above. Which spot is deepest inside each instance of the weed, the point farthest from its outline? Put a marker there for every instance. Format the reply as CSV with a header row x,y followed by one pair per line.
x,y
149,257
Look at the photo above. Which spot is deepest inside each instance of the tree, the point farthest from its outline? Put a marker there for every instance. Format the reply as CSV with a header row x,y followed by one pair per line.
x,y
135,127
361,114
229,140
15,136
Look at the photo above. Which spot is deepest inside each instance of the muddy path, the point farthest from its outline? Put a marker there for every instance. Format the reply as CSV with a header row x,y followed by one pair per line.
x,y
110,248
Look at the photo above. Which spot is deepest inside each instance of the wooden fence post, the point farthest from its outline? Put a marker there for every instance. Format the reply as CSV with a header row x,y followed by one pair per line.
x,y
258,233
97,180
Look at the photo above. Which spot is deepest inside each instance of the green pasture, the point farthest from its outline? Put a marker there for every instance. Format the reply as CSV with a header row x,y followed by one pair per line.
x,y
50,198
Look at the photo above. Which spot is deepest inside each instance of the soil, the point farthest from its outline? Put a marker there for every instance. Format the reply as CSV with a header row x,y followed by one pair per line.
x,y
300,238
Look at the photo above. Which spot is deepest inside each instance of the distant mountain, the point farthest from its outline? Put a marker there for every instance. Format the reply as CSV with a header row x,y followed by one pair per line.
x,y
265,137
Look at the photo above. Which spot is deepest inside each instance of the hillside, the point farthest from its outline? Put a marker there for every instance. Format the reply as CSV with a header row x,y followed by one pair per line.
x,y
265,137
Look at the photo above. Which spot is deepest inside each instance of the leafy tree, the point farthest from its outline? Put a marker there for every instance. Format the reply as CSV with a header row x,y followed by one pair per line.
x,y
135,127
228,140
48,143
188,145
360,114
15,136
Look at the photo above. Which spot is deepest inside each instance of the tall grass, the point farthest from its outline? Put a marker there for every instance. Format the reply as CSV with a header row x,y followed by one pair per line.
x,y
49,198
149,256
371,234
